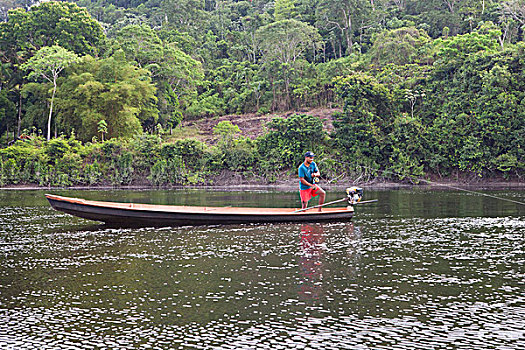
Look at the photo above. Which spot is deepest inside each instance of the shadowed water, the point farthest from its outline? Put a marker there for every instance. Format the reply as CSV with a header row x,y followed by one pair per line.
x,y
417,270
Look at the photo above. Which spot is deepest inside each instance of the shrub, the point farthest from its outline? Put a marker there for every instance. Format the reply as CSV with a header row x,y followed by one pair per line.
x,y
122,169
61,180
192,152
288,139
146,151
70,164
42,173
23,154
241,155
56,148
168,171
207,105
92,173
10,171
111,147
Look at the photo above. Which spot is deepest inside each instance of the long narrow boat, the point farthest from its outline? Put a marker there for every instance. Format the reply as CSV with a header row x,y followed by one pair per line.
x,y
131,214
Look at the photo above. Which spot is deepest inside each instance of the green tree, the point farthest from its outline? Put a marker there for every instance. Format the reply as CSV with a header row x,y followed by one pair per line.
x,y
107,89
227,132
471,107
284,9
32,26
287,139
7,113
286,42
48,63
344,18
398,46
55,23
102,128
363,128
185,15
140,44
175,73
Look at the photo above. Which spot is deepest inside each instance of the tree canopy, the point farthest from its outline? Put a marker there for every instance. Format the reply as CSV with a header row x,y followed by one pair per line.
x,y
431,86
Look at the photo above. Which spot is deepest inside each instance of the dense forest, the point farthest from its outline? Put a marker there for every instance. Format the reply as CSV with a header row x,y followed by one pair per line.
x,y
91,90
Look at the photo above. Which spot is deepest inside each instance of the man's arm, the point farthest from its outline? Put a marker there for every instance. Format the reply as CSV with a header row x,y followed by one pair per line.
x,y
317,173
304,182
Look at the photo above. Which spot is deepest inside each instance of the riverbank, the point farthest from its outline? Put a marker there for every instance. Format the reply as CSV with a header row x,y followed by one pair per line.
x,y
235,182
234,152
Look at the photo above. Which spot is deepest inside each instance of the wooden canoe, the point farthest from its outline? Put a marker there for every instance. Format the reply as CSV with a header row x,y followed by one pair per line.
x,y
131,214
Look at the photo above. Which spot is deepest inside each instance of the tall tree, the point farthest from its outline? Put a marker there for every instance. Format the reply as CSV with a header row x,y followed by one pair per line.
x,y
52,22
108,89
398,46
174,72
29,28
362,129
285,42
7,113
184,15
513,10
346,17
48,63
284,9
141,44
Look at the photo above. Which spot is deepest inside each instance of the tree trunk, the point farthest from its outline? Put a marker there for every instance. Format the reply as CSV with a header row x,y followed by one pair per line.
x,y
254,47
348,34
274,103
287,89
51,111
19,112
450,4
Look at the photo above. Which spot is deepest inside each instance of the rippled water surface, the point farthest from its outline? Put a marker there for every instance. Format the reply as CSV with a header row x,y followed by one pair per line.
x,y
417,270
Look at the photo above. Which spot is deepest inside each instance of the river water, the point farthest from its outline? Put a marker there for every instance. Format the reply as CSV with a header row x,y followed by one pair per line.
x,y
420,269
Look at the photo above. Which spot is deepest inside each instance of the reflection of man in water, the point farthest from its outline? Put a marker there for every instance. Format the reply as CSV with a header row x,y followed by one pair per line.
x,y
353,251
310,264
312,255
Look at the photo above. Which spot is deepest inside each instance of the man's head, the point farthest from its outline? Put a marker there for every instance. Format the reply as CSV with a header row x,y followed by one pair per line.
x,y
309,157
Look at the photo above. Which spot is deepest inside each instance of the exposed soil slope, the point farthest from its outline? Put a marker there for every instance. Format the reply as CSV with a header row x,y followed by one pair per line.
x,y
253,125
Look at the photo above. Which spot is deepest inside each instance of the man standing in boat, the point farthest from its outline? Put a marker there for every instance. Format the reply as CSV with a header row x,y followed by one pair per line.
x,y
308,176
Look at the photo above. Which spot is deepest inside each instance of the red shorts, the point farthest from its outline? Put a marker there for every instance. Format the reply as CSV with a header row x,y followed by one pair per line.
x,y
308,194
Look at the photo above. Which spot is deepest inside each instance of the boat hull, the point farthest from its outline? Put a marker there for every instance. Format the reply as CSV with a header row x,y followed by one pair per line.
x,y
129,214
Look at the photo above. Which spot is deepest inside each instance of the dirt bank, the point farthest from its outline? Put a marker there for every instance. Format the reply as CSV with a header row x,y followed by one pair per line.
x,y
253,125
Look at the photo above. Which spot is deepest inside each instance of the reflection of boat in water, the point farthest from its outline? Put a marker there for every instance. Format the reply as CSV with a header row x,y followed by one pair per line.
x,y
131,214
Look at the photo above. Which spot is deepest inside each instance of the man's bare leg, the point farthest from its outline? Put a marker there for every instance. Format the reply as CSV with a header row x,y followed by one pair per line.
x,y
322,196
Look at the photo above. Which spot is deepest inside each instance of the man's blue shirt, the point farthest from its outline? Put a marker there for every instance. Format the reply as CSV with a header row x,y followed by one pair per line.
x,y
306,172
